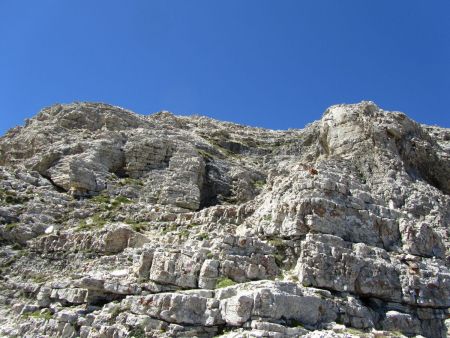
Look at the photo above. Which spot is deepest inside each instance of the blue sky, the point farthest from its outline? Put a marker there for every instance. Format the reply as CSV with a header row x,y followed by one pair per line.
x,y
275,64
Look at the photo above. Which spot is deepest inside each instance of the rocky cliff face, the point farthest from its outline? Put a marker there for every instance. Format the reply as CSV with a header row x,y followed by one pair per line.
x,y
114,224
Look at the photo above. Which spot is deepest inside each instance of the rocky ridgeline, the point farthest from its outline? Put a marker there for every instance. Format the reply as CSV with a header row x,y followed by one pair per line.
x,y
114,224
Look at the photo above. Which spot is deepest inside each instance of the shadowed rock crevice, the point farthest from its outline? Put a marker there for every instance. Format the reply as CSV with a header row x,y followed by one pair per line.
x,y
216,187
57,187
421,162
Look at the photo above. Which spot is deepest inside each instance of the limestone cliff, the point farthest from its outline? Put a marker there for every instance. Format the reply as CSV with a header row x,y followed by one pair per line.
x,y
114,224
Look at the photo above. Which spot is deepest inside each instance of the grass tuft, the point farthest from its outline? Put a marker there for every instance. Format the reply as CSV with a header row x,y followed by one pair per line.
x,y
46,315
97,222
11,226
259,184
224,282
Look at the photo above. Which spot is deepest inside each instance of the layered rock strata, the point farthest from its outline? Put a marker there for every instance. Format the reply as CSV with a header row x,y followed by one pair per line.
x,y
114,224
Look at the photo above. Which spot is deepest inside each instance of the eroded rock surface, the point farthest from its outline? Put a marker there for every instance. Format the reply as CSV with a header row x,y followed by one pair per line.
x,y
114,224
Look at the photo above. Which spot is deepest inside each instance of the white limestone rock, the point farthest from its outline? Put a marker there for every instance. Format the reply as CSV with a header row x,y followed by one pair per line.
x,y
114,224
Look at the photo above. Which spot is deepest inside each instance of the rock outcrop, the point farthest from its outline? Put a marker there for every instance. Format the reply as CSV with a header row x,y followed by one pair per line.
x,y
114,224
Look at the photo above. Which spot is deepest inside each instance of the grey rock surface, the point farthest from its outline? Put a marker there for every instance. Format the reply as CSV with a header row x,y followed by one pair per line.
x,y
114,224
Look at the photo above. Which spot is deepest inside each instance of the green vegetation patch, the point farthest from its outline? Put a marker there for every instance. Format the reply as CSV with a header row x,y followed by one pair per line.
x,y
39,278
221,149
96,222
203,236
137,226
280,247
130,181
205,154
46,315
137,332
267,217
11,226
116,312
106,203
101,199
356,332
276,242
169,228
279,259
11,197
122,200
184,233
224,282
259,184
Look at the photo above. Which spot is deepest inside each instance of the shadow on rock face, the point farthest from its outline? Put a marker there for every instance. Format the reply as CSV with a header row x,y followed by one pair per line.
x,y
216,185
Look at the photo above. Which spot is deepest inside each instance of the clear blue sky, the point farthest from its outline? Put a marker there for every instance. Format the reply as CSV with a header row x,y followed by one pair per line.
x,y
276,64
